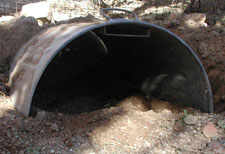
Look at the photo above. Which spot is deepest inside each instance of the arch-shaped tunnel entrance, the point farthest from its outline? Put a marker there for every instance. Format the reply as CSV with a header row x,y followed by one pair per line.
x,y
83,67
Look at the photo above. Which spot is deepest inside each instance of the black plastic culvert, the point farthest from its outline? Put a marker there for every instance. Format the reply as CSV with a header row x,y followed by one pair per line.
x,y
107,61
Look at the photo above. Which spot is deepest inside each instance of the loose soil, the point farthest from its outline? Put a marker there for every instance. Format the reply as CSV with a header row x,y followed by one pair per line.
x,y
133,124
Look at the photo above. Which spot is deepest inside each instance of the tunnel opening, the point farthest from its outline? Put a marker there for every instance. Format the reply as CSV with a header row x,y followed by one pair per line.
x,y
108,64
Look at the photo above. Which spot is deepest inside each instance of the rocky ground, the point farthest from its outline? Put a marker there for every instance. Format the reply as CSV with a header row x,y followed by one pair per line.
x,y
130,126
126,128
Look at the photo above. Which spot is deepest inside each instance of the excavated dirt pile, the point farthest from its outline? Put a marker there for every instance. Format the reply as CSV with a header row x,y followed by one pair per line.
x,y
13,35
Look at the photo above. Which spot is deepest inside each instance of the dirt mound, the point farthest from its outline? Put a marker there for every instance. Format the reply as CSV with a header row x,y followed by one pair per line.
x,y
13,35
114,130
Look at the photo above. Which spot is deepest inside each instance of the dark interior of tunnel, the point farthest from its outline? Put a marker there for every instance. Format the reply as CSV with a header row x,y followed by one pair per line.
x,y
95,70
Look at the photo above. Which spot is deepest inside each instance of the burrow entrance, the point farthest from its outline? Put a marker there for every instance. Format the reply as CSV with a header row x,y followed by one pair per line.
x,y
95,71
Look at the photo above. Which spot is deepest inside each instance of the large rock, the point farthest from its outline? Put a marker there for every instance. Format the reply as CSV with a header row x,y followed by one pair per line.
x,y
36,10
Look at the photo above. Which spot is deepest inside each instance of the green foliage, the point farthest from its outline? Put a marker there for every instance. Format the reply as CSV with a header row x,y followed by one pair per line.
x,y
185,114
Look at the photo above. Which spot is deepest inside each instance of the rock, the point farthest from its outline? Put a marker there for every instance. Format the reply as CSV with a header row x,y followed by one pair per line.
x,y
42,115
54,127
191,120
195,20
33,10
52,151
8,134
179,126
210,130
167,114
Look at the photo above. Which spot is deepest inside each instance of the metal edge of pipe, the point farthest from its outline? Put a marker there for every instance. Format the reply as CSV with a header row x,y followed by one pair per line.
x,y
77,29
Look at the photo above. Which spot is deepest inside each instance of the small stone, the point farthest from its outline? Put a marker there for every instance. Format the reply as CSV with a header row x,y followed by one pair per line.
x,y
42,115
8,134
199,124
179,127
167,114
210,130
191,120
54,127
52,151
